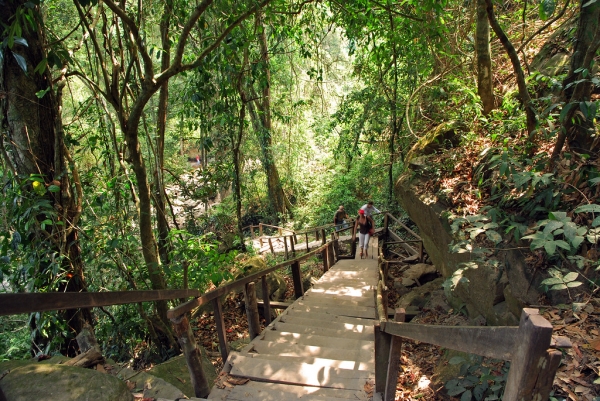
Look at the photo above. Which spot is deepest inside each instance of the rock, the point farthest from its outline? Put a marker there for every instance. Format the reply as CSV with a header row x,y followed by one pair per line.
x,y
411,259
420,295
400,288
421,273
150,385
175,372
444,136
37,381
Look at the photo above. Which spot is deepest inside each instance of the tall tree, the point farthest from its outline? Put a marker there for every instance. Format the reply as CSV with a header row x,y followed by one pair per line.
x,y
32,142
485,87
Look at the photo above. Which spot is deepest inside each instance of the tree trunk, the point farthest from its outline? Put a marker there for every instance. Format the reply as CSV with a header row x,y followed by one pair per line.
x,y
484,59
577,127
520,76
33,143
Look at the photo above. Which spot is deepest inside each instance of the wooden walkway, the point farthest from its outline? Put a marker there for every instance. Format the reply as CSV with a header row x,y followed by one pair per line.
x,y
320,348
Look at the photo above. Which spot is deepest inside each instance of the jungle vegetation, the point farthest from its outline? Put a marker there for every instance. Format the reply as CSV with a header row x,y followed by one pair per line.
x,y
286,109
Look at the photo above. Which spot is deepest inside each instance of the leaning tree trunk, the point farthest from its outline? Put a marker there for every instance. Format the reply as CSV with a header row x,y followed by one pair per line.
x,y
484,59
518,70
578,126
33,143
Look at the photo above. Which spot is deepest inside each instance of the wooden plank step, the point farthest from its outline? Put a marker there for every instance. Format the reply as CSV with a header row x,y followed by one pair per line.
x,y
346,285
339,299
281,392
313,339
316,362
361,312
328,317
332,324
364,335
344,290
287,349
298,373
338,302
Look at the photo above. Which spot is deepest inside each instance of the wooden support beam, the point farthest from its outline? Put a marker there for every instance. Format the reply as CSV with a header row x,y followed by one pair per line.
x,y
13,304
394,361
285,245
271,246
324,257
530,366
292,245
383,343
220,323
330,256
297,278
266,300
192,355
307,248
491,341
251,306
260,233
323,237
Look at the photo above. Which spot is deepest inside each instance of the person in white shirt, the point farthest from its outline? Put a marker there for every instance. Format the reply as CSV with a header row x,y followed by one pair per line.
x,y
369,209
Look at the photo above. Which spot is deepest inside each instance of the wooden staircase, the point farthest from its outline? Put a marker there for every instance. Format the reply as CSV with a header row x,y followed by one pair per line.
x,y
320,348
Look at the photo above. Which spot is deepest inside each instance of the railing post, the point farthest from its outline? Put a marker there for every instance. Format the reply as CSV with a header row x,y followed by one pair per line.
x,y
394,360
421,251
383,343
297,278
292,245
323,237
286,248
260,233
336,245
266,300
271,246
386,224
218,314
316,235
295,239
251,310
533,366
186,340
307,248
330,256
325,262
252,231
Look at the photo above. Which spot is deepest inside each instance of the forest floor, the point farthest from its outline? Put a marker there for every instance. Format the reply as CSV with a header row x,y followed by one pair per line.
x,y
421,362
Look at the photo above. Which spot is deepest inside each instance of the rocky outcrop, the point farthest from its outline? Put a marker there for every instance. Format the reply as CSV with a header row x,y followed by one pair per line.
x,y
38,381
495,292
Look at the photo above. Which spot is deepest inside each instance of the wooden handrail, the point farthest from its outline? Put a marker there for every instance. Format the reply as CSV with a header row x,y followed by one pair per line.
x,y
12,304
227,288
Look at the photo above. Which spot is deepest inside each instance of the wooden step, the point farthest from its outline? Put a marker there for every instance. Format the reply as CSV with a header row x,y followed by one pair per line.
x,y
320,317
316,362
332,324
365,334
317,340
339,299
287,349
335,302
297,373
360,312
280,392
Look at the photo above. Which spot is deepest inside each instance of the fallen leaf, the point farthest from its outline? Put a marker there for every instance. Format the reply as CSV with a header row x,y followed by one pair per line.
x,y
238,381
596,344
130,384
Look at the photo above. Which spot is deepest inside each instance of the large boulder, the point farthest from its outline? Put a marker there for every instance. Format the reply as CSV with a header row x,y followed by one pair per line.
x,y
275,281
175,372
39,381
444,136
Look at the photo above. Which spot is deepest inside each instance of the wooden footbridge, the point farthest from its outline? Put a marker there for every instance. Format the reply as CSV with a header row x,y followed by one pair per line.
x,y
335,341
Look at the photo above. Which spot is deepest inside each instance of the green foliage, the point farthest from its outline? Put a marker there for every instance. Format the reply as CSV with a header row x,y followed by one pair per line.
x,y
14,337
558,281
477,380
199,254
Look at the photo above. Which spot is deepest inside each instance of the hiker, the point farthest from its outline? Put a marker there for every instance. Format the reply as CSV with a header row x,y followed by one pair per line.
x,y
339,218
365,225
369,209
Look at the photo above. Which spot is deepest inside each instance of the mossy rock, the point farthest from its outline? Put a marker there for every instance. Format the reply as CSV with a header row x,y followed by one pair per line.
x,y
175,372
39,381
444,136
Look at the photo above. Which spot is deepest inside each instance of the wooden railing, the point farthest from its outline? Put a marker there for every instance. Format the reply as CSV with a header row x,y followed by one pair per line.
x,y
178,315
530,347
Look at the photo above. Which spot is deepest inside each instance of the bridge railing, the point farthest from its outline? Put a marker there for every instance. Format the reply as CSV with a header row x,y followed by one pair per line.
x,y
530,347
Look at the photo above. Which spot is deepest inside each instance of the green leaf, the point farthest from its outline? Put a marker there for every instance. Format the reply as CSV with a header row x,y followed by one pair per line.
x,y
493,236
550,247
562,244
455,391
552,281
572,276
456,360
546,9
54,188
593,208
573,284
467,395
558,287
21,61
596,222
21,41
